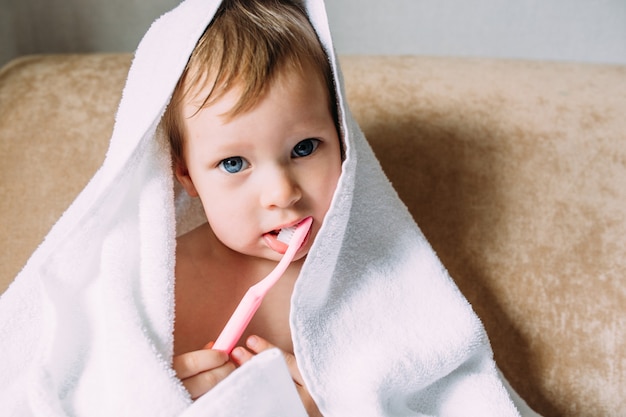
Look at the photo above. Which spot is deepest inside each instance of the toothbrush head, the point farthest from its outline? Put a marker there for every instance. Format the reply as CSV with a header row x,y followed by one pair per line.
x,y
286,234
297,232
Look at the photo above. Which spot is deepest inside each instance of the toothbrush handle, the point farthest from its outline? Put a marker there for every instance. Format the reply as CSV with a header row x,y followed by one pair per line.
x,y
238,322
252,299
248,305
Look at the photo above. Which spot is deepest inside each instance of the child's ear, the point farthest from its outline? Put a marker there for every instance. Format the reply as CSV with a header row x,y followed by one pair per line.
x,y
182,175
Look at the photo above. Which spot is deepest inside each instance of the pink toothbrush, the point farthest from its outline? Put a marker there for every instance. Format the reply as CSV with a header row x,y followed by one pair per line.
x,y
251,301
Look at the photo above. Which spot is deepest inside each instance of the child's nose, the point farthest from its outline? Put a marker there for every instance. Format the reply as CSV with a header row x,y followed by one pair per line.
x,y
280,189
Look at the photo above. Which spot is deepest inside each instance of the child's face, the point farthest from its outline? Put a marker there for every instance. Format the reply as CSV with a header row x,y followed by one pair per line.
x,y
266,168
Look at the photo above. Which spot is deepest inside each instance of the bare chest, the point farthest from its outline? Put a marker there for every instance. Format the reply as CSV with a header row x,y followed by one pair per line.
x,y
204,305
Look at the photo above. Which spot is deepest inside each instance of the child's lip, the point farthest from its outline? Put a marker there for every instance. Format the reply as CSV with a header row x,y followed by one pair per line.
x,y
271,240
288,225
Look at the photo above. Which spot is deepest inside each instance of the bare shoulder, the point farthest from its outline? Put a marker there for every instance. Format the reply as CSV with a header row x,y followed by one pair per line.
x,y
194,288
200,259
208,287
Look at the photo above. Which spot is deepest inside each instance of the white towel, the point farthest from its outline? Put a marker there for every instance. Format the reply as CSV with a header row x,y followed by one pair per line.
x,y
379,328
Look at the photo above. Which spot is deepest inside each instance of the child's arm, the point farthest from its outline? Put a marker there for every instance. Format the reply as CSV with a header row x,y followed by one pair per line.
x,y
256,345
201,370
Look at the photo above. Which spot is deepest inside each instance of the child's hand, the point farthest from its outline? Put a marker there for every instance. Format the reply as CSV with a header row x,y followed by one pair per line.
x,y
201,370
256,345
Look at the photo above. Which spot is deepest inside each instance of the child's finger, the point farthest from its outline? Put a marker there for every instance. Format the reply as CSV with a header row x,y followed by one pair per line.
x,y
241,355
196,362
258,344
293,368
200,384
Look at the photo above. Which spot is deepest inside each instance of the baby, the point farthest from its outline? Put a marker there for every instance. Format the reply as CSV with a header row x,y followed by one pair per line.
x,y
253,132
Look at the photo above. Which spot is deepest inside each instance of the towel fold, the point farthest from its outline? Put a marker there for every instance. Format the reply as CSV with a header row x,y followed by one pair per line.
x,y
378,326
262,387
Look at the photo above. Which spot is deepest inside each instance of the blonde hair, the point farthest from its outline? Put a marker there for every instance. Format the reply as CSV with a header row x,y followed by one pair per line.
x,y
246,45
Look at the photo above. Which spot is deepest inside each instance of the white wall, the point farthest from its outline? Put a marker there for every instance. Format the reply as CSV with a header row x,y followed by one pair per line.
x,y
573,30
52,26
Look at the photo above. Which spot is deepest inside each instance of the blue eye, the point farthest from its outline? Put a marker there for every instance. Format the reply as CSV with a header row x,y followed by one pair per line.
x,y
305,148
233,164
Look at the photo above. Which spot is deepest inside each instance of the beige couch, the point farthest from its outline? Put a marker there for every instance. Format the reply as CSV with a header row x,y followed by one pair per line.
x,y
516,172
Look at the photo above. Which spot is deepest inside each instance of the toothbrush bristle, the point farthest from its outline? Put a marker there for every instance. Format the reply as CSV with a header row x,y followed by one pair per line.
x,y
286,234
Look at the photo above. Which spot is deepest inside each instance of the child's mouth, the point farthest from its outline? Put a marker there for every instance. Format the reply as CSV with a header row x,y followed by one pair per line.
x,y
271,239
